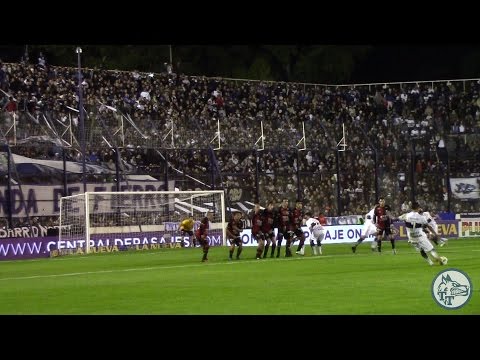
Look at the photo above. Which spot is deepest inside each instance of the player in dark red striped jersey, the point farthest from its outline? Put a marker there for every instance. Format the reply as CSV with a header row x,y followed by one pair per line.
x,y
382,221
201,234
297,222
391,233
284,217
268,218
234,228
257,234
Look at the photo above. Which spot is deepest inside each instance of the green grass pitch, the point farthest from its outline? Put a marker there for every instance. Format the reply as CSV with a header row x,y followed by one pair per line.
x,y
174,281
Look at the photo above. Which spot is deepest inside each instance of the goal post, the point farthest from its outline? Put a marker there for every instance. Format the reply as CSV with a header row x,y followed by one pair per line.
x,y
114,221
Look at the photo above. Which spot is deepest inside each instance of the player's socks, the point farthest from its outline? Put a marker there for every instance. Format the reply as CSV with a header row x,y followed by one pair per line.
x,y
265,251
425,256
392,241
288,252
435,256
273,250
319,249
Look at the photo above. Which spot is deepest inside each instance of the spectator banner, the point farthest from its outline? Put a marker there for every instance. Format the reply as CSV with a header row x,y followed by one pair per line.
x,y
446,228
470,224
44,200
351,233
34,231
465,188
25,248
29,248
333,235
470,215
343,220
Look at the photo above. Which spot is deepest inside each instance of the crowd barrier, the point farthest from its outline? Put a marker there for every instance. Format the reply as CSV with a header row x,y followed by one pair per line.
x,y
49,246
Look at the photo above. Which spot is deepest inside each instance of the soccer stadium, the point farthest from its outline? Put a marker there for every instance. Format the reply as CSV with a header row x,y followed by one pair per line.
x,y
162,192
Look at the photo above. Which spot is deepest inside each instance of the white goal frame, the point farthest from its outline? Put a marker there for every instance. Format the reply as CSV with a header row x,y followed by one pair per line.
x,y
164,229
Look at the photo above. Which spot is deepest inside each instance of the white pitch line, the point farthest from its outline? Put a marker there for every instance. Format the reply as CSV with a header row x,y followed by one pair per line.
x,y
183,266
158,267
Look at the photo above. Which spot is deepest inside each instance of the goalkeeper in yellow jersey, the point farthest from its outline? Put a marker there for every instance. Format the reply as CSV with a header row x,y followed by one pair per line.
x,y
186,227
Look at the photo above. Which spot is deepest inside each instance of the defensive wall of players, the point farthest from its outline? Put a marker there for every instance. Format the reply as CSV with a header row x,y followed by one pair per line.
x,y
29,243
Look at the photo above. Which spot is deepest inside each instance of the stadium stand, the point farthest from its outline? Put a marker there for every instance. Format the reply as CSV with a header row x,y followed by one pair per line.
x,y
417,135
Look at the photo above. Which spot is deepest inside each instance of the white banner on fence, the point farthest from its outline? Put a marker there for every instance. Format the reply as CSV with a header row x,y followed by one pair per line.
x,y
333,235
465,188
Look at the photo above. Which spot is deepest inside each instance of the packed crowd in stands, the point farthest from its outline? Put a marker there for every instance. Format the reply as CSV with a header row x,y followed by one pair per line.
x,y
150,116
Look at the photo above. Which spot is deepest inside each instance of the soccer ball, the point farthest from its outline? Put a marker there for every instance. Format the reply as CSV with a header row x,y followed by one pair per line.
x,y
443,260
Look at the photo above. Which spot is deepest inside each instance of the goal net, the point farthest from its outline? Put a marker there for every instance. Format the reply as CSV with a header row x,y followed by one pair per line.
x,y
115,221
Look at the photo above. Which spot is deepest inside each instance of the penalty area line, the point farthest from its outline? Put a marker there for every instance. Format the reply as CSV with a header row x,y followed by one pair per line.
x,y
158,267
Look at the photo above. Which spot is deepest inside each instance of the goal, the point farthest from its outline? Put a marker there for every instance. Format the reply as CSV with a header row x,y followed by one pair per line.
x,y
115,221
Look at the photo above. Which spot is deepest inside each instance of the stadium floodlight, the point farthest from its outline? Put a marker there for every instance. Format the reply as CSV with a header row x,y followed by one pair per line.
x,y
342,144
302,140
8,95
130,120
82,120
217,136
170,132
261,138
123,219
107,106
106,141
72,109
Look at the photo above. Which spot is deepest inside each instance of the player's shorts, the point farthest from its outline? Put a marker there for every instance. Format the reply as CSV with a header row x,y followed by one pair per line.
x,y
387,231
369,229
298,232
421,243
318,234
237,241
258,235
269,235
201,241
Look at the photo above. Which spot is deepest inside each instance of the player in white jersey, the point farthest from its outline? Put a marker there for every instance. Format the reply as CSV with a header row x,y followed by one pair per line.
x,y
414,222
368,229
431,218
317,233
